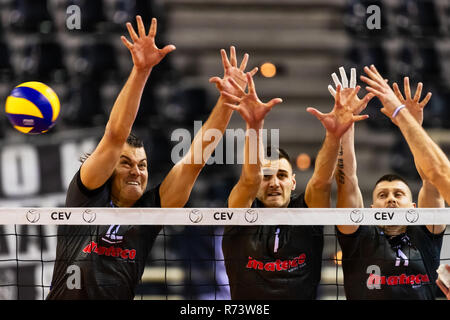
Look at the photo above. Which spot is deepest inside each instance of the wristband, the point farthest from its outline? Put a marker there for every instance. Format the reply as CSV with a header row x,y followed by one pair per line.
x,y
397,110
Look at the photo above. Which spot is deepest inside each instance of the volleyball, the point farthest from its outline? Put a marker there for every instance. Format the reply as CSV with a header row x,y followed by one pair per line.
x,y
32,107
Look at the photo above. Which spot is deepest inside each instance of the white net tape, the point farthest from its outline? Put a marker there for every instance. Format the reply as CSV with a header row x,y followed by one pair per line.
x,y
224,216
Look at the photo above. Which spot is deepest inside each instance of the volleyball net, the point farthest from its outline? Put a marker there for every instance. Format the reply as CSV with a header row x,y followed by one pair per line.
x,y
186,260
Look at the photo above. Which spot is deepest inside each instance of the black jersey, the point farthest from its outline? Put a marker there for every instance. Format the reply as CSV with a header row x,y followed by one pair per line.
x,y
273,262
109,258
379,267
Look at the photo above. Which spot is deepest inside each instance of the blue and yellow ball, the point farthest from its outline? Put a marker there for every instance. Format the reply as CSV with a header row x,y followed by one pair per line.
x,y
32,107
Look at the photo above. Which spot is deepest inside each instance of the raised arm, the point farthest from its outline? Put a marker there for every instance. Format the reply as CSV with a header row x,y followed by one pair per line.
x,y
99,166
429,196
429,158
336,123
348,191
253,111
177,186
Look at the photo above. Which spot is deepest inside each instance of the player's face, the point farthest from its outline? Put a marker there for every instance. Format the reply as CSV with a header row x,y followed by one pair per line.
x,y
277,184
392,194
131,175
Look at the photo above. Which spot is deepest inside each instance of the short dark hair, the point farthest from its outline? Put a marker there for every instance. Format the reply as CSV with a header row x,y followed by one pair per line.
x,y
133,141
391,177
282,154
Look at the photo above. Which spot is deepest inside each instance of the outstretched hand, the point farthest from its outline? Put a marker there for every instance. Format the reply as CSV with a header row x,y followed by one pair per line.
x,y
143,50
344,113
379,87
232,71
252,110
414,106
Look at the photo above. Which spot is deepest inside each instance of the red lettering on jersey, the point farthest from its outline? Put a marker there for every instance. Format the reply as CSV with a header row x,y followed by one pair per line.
x,y
269,266
109,251
392,280
88,248
293,263
302,258
403,278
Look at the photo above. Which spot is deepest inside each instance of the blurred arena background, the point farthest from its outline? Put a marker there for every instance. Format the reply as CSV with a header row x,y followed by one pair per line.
x,y
306,41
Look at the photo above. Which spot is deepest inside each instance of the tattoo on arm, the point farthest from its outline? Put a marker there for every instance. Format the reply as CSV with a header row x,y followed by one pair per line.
x,y
340,164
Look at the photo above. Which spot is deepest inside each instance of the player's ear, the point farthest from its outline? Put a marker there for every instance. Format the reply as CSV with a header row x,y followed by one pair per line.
x,y
294,182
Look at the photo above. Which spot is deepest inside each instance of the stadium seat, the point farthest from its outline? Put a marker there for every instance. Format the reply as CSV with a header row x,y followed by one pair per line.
x,y
127,10
95,63
418,18
420,61
186,106
436,113
402,160
6,69
85,107
31,16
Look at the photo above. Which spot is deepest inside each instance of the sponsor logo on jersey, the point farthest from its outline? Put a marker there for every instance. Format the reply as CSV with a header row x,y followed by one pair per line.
x,y
112,251
278,265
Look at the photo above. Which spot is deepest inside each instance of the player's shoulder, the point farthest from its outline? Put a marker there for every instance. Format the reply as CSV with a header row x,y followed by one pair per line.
x,y
150,198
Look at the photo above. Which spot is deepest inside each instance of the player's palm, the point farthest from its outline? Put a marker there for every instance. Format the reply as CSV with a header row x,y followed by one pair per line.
x,y
145,54
252,110
238,76
354,102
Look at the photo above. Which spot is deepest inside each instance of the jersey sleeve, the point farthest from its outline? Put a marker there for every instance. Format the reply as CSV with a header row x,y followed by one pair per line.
x,y
150,199
80,196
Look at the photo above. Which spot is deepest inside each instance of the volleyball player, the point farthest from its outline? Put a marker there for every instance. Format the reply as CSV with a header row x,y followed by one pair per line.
x,y
279,262
107,262
387,262
427,154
